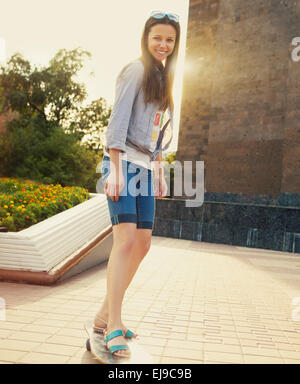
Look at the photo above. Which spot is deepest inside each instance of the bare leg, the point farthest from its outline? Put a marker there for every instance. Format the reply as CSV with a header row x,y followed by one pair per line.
x,y
140,247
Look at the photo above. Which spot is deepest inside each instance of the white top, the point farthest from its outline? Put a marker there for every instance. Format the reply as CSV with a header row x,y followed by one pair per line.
x,y
136,157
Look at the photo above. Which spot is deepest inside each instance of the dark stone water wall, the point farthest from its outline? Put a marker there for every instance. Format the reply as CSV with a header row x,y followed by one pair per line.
x,y
238,220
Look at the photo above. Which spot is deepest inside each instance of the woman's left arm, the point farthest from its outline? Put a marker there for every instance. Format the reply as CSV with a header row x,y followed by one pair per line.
x,y
160,185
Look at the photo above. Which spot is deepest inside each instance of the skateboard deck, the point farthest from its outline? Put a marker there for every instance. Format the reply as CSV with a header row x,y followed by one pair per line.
x,y
96,345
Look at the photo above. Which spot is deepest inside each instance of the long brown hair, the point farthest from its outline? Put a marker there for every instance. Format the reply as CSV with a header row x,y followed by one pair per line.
x,y
155,90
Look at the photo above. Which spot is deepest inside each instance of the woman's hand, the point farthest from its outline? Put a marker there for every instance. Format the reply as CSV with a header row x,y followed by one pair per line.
x,y
114,185
160,187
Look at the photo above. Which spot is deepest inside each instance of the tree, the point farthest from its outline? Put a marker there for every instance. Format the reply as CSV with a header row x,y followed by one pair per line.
x,y
90,123
54,137
51,93
48,91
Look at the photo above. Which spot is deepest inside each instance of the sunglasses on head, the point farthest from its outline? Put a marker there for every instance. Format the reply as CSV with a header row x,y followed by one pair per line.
x,y
161,15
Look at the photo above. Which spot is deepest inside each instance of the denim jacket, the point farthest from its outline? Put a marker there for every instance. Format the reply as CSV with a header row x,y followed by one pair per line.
x,y
131,121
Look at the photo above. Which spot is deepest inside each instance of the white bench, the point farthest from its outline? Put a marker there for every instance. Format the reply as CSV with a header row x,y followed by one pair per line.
x,y
50,242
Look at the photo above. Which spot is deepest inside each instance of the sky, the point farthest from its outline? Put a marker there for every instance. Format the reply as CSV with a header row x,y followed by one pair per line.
x,y
110,30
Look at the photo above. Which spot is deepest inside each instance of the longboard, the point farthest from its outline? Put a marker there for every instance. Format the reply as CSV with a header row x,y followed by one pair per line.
x,y
96,345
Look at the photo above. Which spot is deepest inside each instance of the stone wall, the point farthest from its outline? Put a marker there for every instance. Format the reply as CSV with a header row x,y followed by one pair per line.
x,y
248,225
240,110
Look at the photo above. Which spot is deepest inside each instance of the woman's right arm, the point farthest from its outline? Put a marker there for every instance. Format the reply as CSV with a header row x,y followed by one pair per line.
x,y
128,84
115,181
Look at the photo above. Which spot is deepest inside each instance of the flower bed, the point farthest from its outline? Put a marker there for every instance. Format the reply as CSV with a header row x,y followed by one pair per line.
x,y
24,203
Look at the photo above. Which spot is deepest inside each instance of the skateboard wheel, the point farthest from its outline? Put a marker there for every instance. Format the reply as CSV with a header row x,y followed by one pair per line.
x,y
88,345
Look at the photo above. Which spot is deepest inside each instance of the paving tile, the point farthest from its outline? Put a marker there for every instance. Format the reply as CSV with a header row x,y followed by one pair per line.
x,y
57,316
19,319
211,347
10,355
52,323
152,341
231,340
289,354
292,361
183,353
184,309
75,325
72,332
255,359
286,347
28,336
66,340
24,313
173,360
40,329
248,342
154,350
74,360
223,357
18,345
260,351
42,358
176,336
56,349
214,340
4,333
192,345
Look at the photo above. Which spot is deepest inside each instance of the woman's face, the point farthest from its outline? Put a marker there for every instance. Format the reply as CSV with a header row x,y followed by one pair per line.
x,y
161,41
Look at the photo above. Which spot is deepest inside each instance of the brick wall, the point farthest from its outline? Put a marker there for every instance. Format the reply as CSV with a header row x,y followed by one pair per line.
x,y
241,95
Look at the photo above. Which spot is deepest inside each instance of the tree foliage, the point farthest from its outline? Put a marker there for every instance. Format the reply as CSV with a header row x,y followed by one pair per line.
x,y
53,139
89,126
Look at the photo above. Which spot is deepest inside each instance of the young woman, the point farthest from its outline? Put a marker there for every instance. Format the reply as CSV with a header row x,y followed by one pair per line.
x,y
131,171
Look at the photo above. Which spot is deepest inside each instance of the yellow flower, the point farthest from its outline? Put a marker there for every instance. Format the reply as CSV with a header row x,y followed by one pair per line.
x,y
8,214
5,206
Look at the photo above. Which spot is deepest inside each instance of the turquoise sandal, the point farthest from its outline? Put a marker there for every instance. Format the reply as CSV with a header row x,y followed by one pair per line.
x,y
115,348
128,335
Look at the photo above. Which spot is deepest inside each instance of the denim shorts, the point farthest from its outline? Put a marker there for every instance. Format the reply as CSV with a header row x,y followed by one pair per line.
x,y
136,202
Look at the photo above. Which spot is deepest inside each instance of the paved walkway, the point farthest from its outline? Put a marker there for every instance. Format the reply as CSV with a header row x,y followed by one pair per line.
x,y
190,302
